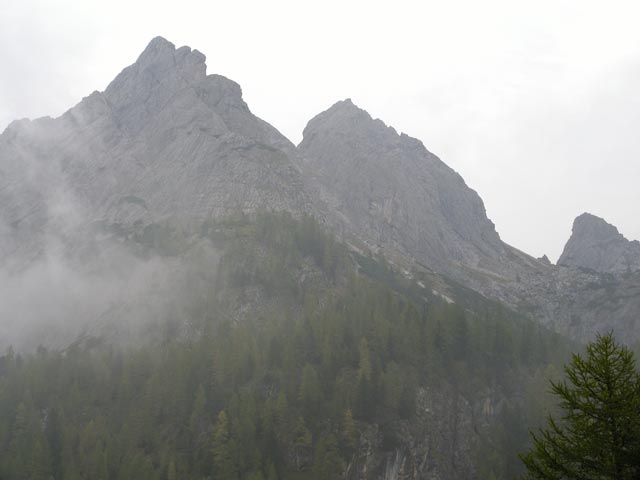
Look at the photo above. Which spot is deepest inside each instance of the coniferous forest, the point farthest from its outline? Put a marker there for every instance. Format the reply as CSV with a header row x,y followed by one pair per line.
x,y
229,268
335,353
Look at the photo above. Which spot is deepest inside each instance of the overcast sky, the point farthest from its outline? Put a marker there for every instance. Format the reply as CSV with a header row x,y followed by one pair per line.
x,y
536,104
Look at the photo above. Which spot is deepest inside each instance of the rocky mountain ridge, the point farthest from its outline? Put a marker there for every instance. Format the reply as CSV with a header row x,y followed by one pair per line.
x,y
391,189
394,195
163,141
167,142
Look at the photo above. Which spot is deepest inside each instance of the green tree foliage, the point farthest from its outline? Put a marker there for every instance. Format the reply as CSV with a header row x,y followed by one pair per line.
x,y
349,431
328,463
598,436
338,345
171,471
302,441
223,462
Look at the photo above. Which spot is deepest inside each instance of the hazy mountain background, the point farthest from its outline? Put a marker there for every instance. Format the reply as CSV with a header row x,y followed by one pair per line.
x,y
185,293
532,106
167,148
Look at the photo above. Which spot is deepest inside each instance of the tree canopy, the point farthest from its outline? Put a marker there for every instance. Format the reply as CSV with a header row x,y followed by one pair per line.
x,y
598,436
330,361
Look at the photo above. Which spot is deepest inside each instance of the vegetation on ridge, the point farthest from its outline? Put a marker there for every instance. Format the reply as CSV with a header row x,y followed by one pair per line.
x,y
293,389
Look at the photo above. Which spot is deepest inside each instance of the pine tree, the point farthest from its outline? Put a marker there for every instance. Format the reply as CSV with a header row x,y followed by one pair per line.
x,y
197,414
301,441
19,447
171,471
327,463
349,430
55,440
272,474
598,436
222,458
39,463
364,365
310,393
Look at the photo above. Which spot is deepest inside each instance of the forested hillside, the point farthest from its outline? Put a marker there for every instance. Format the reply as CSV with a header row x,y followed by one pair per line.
x,y
307,360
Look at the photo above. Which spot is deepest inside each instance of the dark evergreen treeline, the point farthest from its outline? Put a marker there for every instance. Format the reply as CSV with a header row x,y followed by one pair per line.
x,y
285,392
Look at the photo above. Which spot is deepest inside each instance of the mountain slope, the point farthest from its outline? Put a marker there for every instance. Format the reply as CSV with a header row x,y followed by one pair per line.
x,y
276,346
391,189
391,193
164,141
166,144
294,366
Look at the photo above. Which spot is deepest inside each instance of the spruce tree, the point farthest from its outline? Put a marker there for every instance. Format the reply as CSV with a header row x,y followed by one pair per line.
x,y
224,467
328,465
598,436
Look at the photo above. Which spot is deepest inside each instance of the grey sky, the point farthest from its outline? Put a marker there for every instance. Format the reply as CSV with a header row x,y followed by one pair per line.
x,y
536,104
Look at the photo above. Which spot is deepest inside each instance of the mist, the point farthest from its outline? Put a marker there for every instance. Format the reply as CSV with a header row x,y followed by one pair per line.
x,y
66,277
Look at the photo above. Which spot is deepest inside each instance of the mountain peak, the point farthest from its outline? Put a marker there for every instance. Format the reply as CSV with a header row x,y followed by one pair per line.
x,y
598,245
161,54
159,42
157,75
157,45
391,190
588,224
345,106
346,119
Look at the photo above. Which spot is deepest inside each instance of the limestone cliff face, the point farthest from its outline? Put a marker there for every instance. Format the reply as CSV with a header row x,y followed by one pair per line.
x,y
163,141
390,191
439,445
597,245
595,288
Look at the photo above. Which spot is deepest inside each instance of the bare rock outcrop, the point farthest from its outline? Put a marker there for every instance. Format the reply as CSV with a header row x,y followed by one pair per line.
x,y
597,245
168,143
164,141
390,192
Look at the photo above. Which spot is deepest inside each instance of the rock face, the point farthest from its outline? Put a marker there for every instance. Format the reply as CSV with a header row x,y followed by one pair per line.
x,y
596,286
391,193
597,245
440,444
163,141
390,190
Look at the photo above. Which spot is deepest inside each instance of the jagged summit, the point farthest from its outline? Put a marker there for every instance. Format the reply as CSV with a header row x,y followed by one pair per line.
x,y
161,73
344,107
347,119
598,245
167,143
390,189
343,111
159,44
161,61
588,223
163,141
597,228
